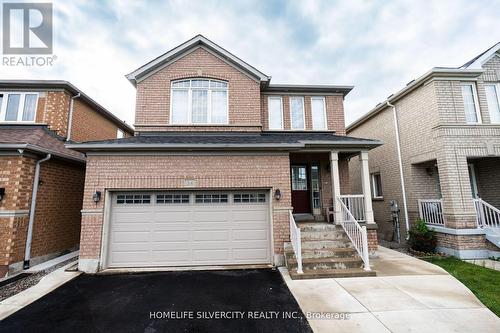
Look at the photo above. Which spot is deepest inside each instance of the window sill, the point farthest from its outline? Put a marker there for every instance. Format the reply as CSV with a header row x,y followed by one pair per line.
x,y
378,199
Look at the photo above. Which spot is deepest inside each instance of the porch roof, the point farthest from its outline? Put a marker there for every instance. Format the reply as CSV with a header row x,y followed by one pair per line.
x,y
215,141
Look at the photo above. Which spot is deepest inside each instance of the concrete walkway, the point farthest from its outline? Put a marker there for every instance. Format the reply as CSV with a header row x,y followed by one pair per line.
x,y
408,295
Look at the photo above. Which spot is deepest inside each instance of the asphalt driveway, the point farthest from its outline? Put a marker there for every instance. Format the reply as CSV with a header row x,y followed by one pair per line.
x,y
240,301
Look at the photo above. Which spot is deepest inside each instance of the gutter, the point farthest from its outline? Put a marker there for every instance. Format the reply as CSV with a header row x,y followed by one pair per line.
x,y
400,162
70,117
29,237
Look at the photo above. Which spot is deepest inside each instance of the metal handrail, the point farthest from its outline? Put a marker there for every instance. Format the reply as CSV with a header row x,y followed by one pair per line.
x,y
487,215
296,242
431,211
356,205
356,233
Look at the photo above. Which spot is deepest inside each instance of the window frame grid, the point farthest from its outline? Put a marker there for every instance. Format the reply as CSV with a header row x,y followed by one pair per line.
x,y
280,98
190,101
375,188
134,195
183,197
324,113
476,102
303,113
260,198
196,202
20,108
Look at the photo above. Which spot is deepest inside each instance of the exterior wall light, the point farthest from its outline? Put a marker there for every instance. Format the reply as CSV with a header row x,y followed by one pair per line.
x,y
96,196
2,193
277,194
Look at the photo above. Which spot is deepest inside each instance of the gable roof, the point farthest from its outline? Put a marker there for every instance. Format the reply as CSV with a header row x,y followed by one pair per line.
x,y
65,85
195,42
478,61
37,139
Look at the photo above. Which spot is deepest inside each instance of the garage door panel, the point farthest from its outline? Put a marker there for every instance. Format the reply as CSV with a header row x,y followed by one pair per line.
x,y
172,236
188,233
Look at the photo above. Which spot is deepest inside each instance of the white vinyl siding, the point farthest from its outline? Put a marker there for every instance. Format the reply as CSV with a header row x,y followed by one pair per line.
x,y
297,115
471,104
318,110
493,97
275,106
199,101
18,106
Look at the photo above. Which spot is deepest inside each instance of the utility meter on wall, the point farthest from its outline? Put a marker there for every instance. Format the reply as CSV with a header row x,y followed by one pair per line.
x,y
394,206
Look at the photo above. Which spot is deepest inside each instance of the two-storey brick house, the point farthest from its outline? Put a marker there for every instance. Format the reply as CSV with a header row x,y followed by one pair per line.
x,y
41,181
219,160
441,156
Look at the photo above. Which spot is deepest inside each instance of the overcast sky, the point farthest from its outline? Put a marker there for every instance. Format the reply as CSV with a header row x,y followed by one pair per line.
x,y
377,46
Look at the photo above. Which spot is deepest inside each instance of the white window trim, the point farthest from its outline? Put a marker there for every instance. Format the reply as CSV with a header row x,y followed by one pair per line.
x,y
269,113
3,107
118,136
209,102
476,102
497,87
303,113
372,176
324,113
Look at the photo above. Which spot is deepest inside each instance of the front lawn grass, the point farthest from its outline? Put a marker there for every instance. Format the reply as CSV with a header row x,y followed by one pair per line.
x,y
483,282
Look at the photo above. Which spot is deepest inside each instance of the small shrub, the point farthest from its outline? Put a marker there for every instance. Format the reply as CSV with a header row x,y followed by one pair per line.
x,y
422,238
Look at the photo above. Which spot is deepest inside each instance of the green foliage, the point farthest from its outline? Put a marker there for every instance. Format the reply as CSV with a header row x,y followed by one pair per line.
x,y
422,238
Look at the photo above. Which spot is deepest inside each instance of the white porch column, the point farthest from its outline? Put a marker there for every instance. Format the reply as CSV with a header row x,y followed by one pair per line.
x,y
334,171
365,182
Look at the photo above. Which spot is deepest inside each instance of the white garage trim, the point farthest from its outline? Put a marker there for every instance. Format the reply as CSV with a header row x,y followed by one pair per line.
x,y
122,244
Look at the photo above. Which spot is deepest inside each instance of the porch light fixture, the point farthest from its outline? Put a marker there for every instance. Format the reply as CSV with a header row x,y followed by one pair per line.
x,y
96,196
2,193
277,194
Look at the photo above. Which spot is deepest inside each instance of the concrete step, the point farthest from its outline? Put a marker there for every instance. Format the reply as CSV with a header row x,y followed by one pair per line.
x,y
326,244
325,263
323,235
330,273
345,252
318,227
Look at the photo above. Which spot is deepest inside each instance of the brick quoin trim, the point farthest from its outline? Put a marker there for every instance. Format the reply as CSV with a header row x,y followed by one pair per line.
x,y
169,172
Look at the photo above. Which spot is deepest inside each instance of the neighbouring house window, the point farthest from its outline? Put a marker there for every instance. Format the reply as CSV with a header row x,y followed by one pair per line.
x,y
133,199
493,97
199,101
377,185
275,106
299,178
471,104
318,113
120,134
211,198
18,106
249,197
297,113
315,186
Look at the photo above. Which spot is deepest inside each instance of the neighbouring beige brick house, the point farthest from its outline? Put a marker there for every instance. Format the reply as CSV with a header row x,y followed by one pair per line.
x,y
219,160
448,123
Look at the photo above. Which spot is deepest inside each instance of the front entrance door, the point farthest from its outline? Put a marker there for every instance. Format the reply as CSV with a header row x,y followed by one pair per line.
x,y
301,198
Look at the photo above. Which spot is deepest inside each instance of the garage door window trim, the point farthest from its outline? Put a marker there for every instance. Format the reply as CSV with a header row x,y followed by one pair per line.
x,y
173,198
135,199
211,198
249,198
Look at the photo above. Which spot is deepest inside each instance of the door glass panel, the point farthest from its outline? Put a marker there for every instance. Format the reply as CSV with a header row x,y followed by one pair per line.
x,y
315,186
299,178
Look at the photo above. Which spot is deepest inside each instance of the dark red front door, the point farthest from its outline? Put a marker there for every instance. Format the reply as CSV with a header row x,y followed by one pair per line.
x,y
301,197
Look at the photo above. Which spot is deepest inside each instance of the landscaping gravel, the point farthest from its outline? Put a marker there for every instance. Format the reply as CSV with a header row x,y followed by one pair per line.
x,y
28,281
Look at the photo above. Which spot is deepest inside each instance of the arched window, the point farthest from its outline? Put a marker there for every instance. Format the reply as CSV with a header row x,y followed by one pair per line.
x,y
198,101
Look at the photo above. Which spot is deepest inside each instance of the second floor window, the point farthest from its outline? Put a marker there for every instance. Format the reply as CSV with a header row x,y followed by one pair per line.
x,y
199,101
18,106
318,113
297,116
275,113
471,105
493,97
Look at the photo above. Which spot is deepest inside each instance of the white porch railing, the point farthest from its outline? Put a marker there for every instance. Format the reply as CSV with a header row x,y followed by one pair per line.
x,y
355,203
296,242
356,233
431,211
487,216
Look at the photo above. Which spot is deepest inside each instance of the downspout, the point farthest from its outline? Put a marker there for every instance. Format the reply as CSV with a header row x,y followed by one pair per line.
x,y
70,117
29,236
400,160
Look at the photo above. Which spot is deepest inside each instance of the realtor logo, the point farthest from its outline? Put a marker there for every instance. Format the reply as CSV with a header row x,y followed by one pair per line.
x,y
27,28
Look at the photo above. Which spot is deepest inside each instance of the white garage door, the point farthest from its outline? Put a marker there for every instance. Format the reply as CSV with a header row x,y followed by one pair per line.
x,y
188,229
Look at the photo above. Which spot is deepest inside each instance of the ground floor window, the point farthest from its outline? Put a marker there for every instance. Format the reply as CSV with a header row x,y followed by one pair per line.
x,y
377,185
